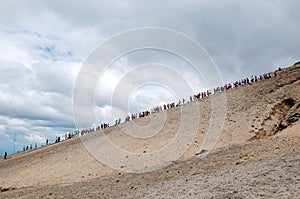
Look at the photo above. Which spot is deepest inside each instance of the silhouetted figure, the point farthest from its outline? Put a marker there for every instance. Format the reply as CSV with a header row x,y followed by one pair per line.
x,y
47,142
5,155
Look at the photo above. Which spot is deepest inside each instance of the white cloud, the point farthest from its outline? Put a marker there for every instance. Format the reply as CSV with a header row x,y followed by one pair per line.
x,y
13,52
34,138
16,122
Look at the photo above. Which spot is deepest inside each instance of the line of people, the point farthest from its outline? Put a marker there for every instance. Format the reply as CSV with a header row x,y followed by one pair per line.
x,y
157,109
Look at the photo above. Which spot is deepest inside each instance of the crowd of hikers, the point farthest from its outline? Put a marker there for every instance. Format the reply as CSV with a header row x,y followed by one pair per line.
x,y
159,108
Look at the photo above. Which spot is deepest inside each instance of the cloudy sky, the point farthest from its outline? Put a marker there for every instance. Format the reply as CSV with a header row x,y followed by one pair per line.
x,y
43,45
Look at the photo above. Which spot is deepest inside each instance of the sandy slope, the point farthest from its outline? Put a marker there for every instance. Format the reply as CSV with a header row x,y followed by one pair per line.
x,y
267,174
64,162
241,165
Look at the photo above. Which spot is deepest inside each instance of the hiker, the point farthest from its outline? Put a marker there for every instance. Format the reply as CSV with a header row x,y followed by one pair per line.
x,y
5,155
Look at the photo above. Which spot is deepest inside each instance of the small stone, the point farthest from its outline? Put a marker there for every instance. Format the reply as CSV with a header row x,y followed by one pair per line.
x,y
293,117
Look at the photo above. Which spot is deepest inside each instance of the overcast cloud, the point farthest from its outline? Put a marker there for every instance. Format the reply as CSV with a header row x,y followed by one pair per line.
x,y
43,44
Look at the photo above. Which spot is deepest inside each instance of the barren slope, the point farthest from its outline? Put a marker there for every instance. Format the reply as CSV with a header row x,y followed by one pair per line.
x,y
253,112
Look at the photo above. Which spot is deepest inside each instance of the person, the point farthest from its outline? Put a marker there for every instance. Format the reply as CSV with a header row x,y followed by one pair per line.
x,y
5,155
47,142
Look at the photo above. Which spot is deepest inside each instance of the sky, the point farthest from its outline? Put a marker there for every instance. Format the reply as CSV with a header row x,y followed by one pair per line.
x,y
43,45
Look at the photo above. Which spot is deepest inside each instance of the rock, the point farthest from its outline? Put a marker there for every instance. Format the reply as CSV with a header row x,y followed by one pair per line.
x,y
293,117
202,152
297,63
